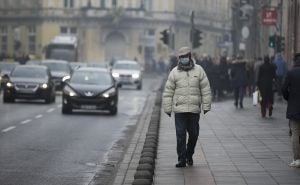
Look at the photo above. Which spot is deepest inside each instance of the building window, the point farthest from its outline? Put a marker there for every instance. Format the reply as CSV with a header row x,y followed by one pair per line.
x,y
68,30
73,30
69,3
102,3
114,3
63,30
32,39
151,32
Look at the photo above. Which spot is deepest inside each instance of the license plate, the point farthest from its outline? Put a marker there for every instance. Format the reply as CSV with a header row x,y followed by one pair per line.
x,y
26,91
88,107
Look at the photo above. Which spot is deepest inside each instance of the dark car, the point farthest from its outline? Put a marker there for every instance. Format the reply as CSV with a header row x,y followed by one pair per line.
x,y
29,82
5,70
90,89
59,69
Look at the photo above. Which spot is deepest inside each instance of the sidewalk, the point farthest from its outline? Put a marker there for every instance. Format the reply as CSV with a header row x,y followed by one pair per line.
x,y
235,147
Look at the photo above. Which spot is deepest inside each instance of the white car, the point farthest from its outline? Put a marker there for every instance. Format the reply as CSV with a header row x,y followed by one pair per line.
x,y
127,72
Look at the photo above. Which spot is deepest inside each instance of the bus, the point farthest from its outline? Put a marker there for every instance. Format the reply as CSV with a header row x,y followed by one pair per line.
x,y
63,47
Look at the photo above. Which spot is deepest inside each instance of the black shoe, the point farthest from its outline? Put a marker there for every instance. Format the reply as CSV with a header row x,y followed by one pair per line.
x,y
236,105
241,106
190,162
180,164
270,112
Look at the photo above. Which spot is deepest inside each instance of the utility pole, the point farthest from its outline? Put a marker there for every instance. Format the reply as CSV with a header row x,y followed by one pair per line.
x,y
192,28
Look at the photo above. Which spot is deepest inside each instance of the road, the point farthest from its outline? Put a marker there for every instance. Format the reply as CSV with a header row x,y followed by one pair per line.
x,y
40,146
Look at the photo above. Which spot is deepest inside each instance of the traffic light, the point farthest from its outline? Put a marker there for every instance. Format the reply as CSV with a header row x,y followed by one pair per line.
x,y
165,36
272,41
196,38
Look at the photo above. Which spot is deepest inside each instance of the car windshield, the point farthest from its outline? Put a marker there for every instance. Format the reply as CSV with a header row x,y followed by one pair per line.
x,y
6,67
126,66
58,67
29,72
63,54
91,78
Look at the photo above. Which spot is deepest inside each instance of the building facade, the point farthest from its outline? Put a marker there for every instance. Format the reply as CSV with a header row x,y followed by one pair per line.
x,y
109,29
293,31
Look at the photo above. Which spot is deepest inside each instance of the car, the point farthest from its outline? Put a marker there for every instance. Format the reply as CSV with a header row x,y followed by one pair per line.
x,y
29,82
127,72
59,69
90,89
5,70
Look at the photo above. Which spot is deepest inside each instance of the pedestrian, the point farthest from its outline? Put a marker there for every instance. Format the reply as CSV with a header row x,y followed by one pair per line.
x,y
257,65
266,78
186,90
291,93
215,80
224,77
238,80
281,69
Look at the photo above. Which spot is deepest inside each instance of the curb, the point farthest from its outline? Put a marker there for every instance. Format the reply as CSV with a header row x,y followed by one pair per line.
x,y
145,169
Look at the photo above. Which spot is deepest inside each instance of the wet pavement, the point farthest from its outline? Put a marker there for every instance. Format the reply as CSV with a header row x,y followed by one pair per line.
x,y
235,147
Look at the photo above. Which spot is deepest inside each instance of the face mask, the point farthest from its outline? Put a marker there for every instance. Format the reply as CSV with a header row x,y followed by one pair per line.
x,y
184,61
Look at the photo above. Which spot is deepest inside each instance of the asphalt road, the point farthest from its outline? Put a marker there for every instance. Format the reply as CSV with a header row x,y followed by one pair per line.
x,y
40,146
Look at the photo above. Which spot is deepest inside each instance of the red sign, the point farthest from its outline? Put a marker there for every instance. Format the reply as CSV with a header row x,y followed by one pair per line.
x,y
269,17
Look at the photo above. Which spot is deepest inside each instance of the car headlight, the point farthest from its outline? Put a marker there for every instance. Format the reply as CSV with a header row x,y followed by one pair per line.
x,y
9,84
116,75
109,92
135,75
44,86
69,91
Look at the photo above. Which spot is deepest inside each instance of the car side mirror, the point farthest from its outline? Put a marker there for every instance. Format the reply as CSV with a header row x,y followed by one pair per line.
x,y
5,78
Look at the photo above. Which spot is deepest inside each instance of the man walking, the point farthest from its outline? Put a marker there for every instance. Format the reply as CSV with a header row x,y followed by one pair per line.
x,y
266,77
187,88
291,93
281,69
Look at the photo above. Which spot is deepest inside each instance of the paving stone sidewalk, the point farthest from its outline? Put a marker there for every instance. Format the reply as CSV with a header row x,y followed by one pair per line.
x,y
235,147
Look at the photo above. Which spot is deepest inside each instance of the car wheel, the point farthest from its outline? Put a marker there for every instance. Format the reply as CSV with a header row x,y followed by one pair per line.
x,y
113,111
66,109
48,99
139,86
53,98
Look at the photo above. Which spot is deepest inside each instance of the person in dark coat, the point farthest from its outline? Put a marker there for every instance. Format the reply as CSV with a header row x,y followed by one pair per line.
x,y
239,81
291,93
224,77
215,80
266,78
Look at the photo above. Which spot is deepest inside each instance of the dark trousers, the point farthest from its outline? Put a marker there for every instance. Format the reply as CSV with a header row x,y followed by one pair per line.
x,y
264,105
186,123
239,96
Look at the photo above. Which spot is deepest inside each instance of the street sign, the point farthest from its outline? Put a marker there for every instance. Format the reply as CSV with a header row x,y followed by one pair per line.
x,y
269,17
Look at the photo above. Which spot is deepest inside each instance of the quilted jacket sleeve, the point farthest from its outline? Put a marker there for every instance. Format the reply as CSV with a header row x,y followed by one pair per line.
x,y
169,93
205,91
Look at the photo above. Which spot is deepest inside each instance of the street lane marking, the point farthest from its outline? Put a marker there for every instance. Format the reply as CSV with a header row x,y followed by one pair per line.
x,y
8,129
50,110
25,121
38,116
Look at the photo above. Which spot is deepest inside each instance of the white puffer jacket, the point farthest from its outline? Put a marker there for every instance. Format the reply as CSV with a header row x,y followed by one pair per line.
x,y
186,91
